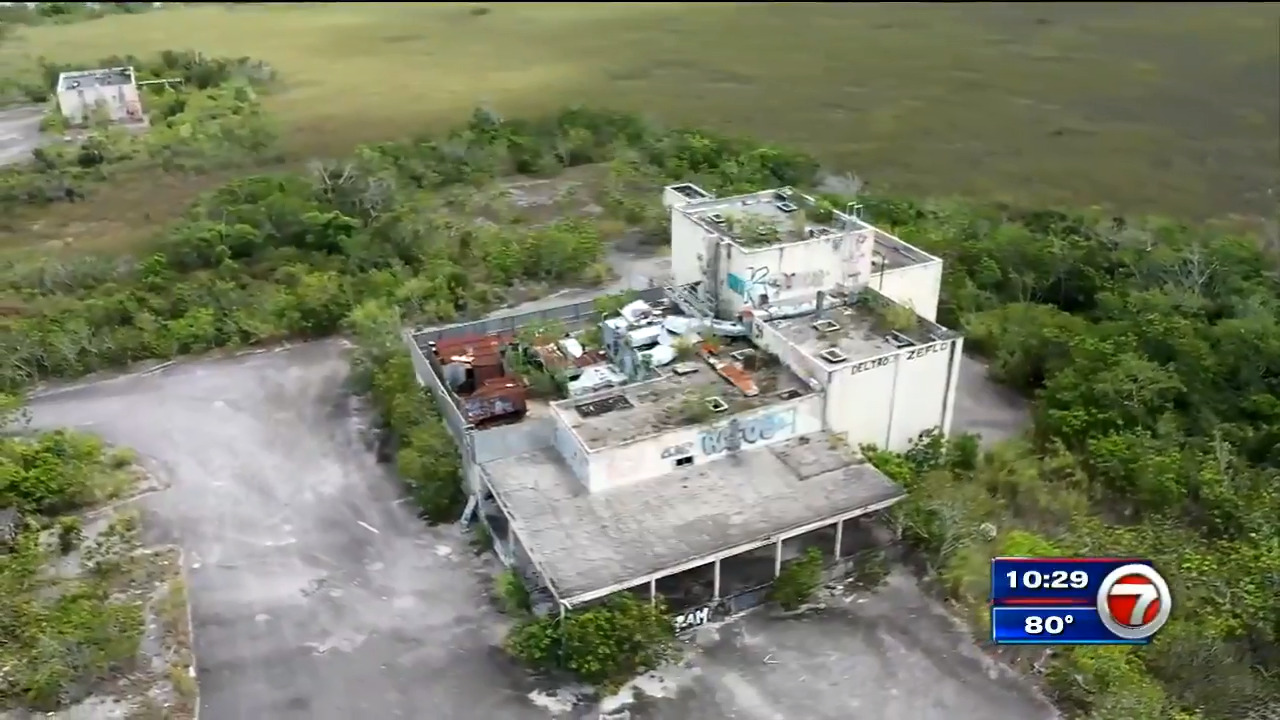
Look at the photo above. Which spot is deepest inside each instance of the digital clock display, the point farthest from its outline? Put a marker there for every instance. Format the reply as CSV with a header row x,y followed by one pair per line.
x,y
1051,580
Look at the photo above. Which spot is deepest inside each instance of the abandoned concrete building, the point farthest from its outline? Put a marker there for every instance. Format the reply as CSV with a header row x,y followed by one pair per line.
x,y
707,433
113,91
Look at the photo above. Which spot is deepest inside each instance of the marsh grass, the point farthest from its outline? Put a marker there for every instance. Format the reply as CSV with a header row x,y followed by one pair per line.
x,y
1168,107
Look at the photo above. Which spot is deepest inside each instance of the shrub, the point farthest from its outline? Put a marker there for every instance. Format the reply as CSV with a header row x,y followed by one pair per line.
x,y
512,593
604,645
798,580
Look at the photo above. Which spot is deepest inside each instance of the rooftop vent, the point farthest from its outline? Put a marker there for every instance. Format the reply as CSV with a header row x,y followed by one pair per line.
x,y
826,326
833,356
741,355
604,405
749,201
789,394
788,206
691,192
899,340
716,218
717,404
685,368
784,193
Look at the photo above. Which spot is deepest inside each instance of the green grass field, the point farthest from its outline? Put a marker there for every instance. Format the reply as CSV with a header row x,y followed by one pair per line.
x,y
1142,106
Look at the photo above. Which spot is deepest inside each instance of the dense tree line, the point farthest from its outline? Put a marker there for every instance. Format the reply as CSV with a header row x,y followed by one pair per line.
x,y
1151,348
1153,352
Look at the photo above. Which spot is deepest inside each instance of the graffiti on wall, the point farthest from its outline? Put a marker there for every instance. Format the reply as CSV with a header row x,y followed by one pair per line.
x,y
752,287
736,433
676,451
920,352
691,619
871,364
803,280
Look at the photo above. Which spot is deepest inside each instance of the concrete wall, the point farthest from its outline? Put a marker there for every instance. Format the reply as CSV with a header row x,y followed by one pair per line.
x,y
811,370
891,399
792,271
430,379
656,455
572,450
505,441
916,286
77,105
689,243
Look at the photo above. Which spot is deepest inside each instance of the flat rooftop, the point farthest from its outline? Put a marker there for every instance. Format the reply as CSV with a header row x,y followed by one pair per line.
x,y
679,398
859,331
586,542
760,219
891,253
104,77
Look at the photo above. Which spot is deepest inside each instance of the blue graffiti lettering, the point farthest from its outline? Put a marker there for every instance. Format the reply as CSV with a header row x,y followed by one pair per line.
x,y
735,433
754,287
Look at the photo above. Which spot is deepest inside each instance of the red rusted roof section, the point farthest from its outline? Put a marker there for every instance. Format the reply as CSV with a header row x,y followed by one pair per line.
x,y
478,350
733,372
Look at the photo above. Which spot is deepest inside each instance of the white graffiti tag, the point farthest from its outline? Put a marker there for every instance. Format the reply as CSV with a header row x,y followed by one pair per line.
x,y
760,428
691,619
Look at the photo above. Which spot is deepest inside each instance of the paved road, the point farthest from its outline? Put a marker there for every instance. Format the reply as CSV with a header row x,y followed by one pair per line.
x,y
316,594
19,133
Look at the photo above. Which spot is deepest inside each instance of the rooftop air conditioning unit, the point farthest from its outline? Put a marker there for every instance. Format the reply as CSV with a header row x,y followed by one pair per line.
x,y
716,218
833,356
717,404
788,206
826,326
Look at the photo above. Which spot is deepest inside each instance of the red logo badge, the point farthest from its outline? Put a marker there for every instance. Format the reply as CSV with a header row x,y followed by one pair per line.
x,y
1134,602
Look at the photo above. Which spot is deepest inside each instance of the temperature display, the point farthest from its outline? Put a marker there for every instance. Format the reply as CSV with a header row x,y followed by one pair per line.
x,y
1048,626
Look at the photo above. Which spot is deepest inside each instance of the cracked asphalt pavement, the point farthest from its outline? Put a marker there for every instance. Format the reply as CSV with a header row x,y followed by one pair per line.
x,y
318,594
19,133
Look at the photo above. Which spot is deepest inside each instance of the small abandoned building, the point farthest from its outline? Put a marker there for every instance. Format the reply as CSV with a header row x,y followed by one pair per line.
x,y
708,433
113,91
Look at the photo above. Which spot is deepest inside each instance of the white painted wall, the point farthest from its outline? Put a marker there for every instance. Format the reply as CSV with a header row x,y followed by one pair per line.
x,y
922,392
916,286
688,246
572,450
78,104
656,456
890,400
859,398
794,270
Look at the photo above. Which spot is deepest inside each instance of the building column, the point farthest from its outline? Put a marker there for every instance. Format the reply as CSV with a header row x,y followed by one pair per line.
x,y
839,536
715,588
777,558
653,591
